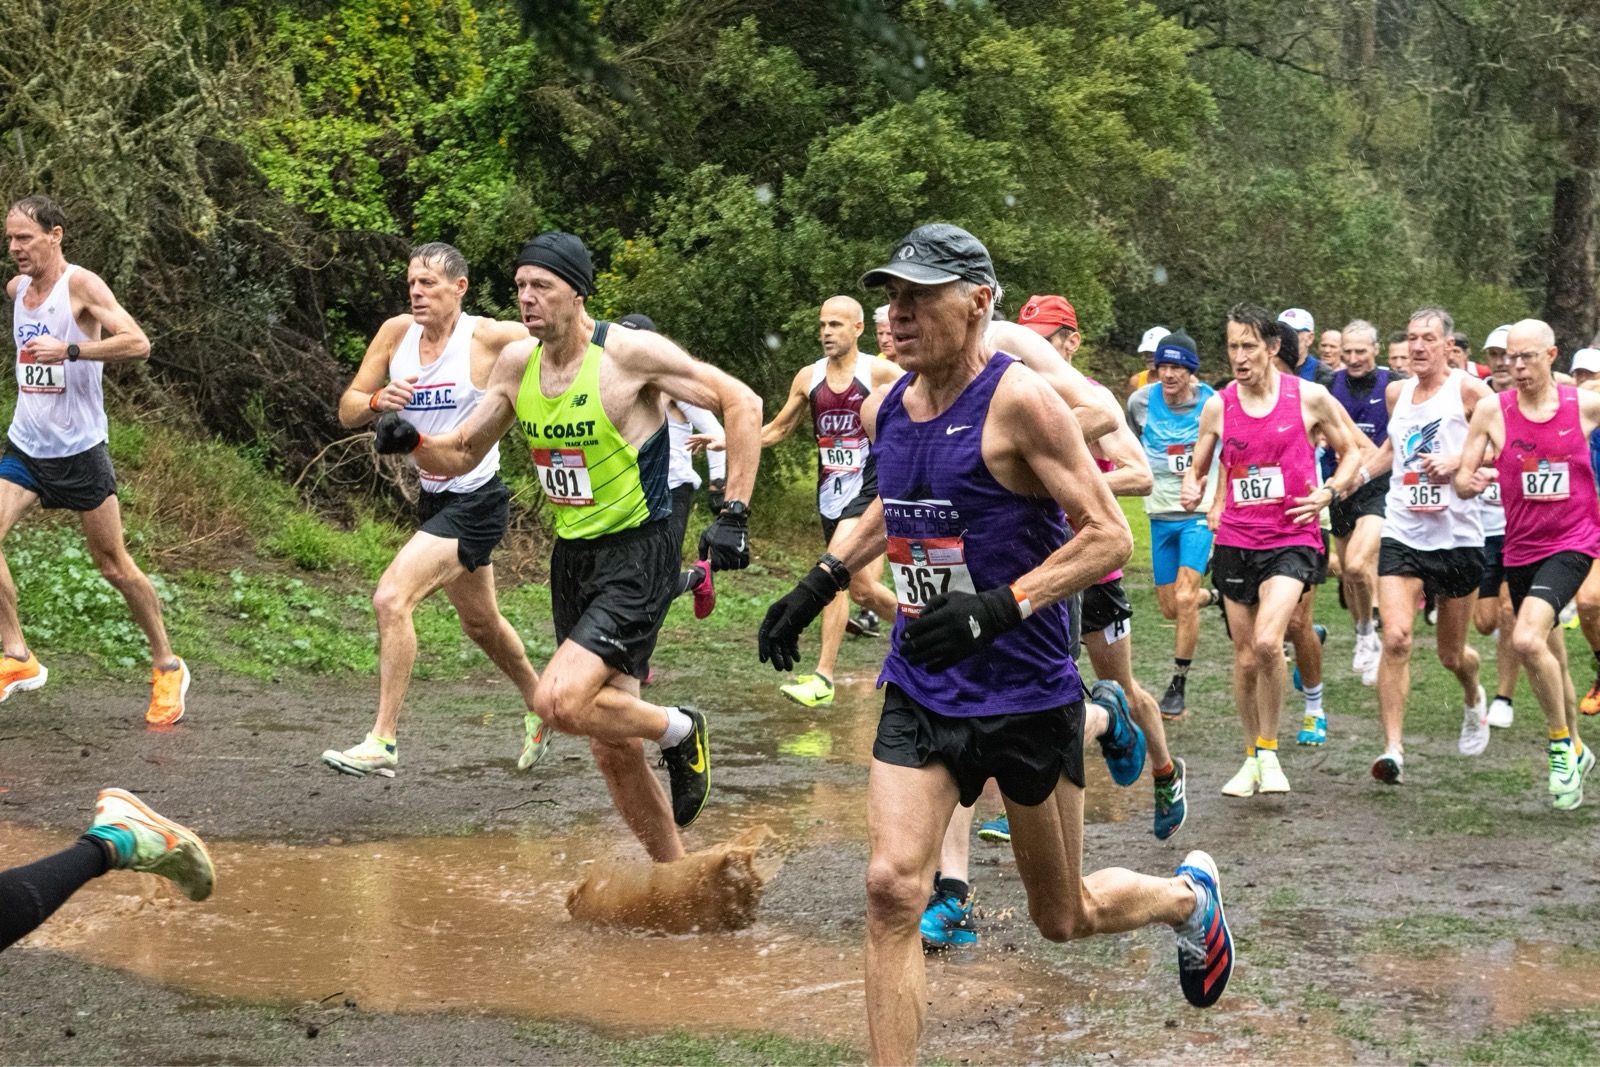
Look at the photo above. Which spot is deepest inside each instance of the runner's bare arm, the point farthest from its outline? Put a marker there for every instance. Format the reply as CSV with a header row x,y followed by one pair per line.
x,y
660,362
356,405
863,541
1441,465
1037,425
1095,409
794,408
120,339
1194,479
1132,476
1336,427
884,372
464,447
1485,432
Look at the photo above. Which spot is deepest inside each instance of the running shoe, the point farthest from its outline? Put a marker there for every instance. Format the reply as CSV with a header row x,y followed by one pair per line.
x,y
167,690
688,766
996,829
1123,742
865,624
21,675
1475,726
535,741
1322,638
372,756
811,691
705,594
1313,730
1370,675
1566,775
1389,768
1500,713
1205,947
948,921
1173,703
160,846
1369,648
1589,705
1569,615
1272,777
1171,807
1246,780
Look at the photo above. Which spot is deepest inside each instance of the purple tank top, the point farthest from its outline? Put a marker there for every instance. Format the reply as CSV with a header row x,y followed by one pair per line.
x,y
1547,483
951,527
1266,463
1369,411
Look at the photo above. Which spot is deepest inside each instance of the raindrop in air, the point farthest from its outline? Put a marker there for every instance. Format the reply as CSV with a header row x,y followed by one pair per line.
x,y
919,61
774,342
1011,201
763,194
1159,275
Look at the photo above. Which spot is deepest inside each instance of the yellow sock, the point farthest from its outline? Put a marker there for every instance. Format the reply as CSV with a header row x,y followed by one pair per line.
x,y
1562,734
1249,752
1271,745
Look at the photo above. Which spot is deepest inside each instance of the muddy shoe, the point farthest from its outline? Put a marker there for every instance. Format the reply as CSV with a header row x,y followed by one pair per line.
x,y
1174,702
1205,946
688,766
948,921
535,741
996,829
1389,768
863,625
1122,744
372,756
1566,775
812,691
1171,806
146,841
21,675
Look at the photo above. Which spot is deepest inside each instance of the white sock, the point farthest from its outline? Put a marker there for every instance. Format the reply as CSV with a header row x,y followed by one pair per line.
x,y
679,726
1364,629
1313,699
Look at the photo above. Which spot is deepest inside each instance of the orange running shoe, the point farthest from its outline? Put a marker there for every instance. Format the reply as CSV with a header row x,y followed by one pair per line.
x,y
1589,705
21,674
167,690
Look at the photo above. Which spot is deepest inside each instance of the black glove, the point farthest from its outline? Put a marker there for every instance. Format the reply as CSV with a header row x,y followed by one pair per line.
x,y
726,542
394,436
778,640
716,490
956,625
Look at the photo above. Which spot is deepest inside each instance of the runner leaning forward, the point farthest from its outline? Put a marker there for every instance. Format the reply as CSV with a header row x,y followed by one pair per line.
x,y
1540,435
591,403
68,325
978,458
1432,537
431,366
1268,544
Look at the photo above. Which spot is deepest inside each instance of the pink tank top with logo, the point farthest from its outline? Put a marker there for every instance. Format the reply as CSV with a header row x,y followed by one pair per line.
x,y
1547,483
1106,467
1266,463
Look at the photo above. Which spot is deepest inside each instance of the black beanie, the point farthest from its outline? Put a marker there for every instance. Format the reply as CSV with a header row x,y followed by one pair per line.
x,y
563,255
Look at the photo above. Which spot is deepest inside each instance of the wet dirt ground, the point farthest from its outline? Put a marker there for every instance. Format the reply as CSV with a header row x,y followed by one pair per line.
x,y
422,919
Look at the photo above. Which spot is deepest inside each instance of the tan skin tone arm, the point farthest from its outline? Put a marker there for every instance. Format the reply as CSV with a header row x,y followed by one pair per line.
x,y
372,377
1345,440
464,447
1194,479
1095,409
121,338
1132,476
788,418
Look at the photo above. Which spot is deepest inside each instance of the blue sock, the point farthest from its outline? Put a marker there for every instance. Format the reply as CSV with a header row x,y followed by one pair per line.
x,y
119,838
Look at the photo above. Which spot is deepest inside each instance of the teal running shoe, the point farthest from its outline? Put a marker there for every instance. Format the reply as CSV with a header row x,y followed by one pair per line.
x,y
1171,807
948,921
996,829
1313,730
1123,742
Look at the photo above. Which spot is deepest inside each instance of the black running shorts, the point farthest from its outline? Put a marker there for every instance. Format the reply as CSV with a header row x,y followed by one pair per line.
x,y
1554,579
475,521
1105,604
1026,754
682,504
610,594
1238,572
1368,500
1494,568
80,482
1446,572
853,510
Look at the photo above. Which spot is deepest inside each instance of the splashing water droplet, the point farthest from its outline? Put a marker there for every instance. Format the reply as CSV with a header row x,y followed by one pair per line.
x,y
1011,201
763,194
1159,275
919,61
774,342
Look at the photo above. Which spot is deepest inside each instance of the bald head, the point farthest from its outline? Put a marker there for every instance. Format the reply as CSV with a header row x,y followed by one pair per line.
x,y
1531,351
1529,334
839,326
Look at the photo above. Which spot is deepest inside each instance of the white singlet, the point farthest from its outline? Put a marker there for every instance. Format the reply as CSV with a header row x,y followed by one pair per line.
x,y
61,410
680,464
444,397
1419,512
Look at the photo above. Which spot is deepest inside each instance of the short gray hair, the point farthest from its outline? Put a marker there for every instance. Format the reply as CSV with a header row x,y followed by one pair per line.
x,y
1361,326
1447,325
446,257
996,294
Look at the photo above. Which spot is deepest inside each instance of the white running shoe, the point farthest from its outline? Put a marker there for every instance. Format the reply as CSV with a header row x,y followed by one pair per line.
x,y
1475,726
1389,768
1246,781
1272,779
371,756
1368,649
1500,713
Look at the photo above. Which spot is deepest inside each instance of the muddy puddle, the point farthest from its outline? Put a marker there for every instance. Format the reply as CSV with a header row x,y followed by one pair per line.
x,y
1504,984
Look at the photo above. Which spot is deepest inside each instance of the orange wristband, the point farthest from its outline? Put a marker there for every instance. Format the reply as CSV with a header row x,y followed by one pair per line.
x,y
372,401
1023,604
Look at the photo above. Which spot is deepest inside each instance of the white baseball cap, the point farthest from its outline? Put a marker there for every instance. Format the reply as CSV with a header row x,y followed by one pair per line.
x,y
1299,318
881,314
1497,337
1587,359
1152,337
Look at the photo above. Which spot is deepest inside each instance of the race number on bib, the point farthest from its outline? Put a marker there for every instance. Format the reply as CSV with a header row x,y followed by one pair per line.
x,y
1422,494
40,377
927,567
1545,481
1255,485
1180,458
842,455
1491,494
564,474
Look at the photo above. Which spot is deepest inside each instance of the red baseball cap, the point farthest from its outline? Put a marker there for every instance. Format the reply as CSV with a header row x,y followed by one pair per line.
x,y
1044,315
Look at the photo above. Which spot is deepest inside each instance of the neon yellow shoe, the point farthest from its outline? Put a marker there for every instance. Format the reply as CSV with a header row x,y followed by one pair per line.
x,y
535,741
811,691
372,756
160,845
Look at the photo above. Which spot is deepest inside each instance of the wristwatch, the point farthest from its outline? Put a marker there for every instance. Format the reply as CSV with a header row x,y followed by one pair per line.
x,y
73,352
736,508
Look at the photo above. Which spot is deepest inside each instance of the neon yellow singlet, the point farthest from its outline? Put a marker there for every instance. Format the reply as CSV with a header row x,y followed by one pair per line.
x,y
597,483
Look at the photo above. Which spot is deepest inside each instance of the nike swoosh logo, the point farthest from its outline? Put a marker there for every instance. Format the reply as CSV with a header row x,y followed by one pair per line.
x,y
948,430
741,542
698,764
1285,429
1562,433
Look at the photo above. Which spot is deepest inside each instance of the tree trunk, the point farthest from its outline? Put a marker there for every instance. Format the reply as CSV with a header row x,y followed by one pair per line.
x,y
1571,304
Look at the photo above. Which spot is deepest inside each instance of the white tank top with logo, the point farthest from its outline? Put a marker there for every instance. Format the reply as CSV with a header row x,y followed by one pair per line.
x,y
444,397
60,406
1421,512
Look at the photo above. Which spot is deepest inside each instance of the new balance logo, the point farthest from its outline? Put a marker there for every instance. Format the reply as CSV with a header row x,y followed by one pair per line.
x,y
580,400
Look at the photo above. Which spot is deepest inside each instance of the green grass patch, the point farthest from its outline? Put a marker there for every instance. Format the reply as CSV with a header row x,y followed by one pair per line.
x,y
1558,1038
692,1050
1425,933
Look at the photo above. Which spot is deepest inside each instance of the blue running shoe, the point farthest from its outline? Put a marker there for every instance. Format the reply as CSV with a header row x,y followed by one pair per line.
x,y
1171,807
996,829
1322,638
1123,742
1205,947
948,921
1313,730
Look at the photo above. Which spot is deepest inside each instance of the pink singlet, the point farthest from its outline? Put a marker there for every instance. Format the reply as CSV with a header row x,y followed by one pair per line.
x,y
1547,483
1266,463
